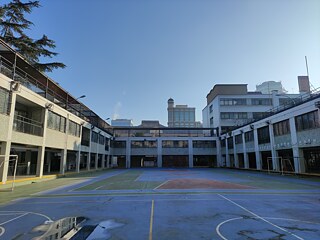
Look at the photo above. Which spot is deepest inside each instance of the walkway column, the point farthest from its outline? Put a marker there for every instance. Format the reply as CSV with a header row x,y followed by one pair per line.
x,y
256,148
28,160
78,155
275,163
41,149
96,158
159,152
235,155
128,153
190,151
227,153
6,145
245,154
63,161
299,163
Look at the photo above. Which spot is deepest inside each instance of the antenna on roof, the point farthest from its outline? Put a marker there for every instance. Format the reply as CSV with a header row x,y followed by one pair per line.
x,y
305,57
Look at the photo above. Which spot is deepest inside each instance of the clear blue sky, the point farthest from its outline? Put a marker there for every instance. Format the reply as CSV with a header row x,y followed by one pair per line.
x,y
128,57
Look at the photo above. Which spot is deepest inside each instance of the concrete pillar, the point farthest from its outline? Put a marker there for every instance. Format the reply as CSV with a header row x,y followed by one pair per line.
x,y
275,162
49,161
63,161
41,149
128,153
190,151
219,155
78,156
299,163
4,161
159,152
256,149
6,145
235,155
96,161
28,161
40,161
103,161
227,154
245,154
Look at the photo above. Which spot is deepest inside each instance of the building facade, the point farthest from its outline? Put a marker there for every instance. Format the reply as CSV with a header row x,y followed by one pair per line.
x,y
181,115
286,141
231,105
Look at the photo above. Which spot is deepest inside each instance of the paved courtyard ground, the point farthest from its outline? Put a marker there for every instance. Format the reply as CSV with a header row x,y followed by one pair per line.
x,y
168,204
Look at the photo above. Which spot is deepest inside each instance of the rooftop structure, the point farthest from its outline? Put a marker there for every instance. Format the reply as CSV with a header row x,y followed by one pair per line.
x,y
181,115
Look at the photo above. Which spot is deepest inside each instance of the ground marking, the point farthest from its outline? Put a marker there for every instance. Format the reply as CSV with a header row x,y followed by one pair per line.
x,y
273,218
2,230
13,219
151,220
161,184
257,216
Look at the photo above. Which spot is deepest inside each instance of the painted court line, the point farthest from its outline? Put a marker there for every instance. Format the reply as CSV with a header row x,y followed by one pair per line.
x,y
151,220
257,216
13,219
161,184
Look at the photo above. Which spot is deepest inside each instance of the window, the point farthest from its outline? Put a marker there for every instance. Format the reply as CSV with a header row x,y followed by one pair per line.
x,y
101,139
261,101
211,121
85,138
263,135
204,144
94,137
144,144
74,129
231,102
118,144
223,143
4,101
106,146
174,144
233,115
307,121
248,136
230,143
259,115
281,128
211,108
56,122
238,138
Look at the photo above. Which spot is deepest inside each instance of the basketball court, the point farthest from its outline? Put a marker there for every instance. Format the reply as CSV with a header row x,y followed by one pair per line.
x,y
173,204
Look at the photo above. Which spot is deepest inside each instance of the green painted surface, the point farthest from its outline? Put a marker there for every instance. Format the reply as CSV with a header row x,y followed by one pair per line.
x,y
29,188
123,181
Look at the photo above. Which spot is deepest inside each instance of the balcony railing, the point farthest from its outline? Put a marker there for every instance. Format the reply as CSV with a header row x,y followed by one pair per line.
x,y
27,125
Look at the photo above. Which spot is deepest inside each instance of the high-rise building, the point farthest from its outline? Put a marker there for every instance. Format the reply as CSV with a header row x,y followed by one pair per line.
x,y
181,115
269,87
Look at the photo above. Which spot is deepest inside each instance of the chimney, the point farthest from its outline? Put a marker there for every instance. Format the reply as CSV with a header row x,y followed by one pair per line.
x,y
304,86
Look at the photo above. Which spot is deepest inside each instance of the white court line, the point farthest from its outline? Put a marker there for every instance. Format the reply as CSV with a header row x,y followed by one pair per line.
x,y
13,219
261,218
161,184
2,230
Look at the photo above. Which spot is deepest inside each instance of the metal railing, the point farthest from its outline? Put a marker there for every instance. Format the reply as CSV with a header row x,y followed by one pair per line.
x,y
27,125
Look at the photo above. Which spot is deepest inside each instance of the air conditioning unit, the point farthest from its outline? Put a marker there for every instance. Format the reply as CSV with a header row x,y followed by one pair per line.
x,y
15,86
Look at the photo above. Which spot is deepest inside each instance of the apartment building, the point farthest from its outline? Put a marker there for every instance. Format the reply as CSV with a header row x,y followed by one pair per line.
x,y
231,105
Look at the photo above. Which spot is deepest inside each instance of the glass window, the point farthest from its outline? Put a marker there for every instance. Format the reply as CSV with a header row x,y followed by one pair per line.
x,y
238,138
118,144
261,101
174,144
56,122
248,136
281,128
263,135
4,101
85,138
204,144
307,121
94,137
74,129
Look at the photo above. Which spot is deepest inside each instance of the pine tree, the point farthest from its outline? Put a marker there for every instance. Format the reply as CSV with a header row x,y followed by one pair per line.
x,y
12,30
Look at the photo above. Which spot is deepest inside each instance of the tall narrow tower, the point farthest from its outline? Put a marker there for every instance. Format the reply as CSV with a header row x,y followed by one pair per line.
x,y
170,112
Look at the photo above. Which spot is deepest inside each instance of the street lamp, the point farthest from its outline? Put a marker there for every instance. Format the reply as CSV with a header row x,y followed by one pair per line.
x,y
83,96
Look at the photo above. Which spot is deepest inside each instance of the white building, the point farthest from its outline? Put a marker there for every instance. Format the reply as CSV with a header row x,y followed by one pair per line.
x,y
181,115
230,105
121,123
288,140
269,87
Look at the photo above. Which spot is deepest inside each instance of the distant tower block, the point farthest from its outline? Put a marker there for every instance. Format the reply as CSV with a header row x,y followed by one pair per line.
x,y
304,85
